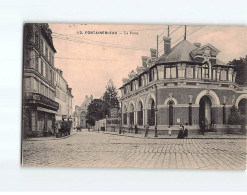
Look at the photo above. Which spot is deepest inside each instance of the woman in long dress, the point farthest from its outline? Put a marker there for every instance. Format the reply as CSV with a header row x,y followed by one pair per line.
x,y
186,130
181,132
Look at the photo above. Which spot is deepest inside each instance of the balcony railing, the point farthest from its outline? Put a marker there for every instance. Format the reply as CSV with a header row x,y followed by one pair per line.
x,y
37,98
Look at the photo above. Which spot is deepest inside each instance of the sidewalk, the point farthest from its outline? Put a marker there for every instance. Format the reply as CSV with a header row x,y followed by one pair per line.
x,y
49,138
207,135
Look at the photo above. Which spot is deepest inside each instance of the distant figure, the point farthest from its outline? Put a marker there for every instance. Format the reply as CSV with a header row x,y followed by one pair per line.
x,y
146,130
181,132
203,127
120,129
136,130
186,130
88,128
169,130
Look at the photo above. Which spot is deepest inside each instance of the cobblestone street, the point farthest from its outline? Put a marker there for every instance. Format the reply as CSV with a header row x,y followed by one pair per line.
x,y
101,150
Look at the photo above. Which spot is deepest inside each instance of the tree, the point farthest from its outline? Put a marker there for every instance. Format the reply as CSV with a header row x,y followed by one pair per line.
x,y
110,96
96,110
240,65
236,118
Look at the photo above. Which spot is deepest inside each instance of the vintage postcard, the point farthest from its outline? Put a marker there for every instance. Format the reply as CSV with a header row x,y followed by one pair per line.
x,y
134,96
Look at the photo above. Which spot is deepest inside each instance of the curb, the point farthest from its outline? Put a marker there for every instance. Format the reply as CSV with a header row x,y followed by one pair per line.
x,y
43,138
64,137
175,137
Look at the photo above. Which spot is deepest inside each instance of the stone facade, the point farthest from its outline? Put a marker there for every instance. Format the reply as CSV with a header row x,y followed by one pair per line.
x,y
63,97
188,84
39,105
80,113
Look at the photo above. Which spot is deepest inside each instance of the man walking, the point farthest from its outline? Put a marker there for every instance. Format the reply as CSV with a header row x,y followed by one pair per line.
x,y
146,130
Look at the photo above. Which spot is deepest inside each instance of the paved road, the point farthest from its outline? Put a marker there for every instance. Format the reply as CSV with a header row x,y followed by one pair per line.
x,y
92,149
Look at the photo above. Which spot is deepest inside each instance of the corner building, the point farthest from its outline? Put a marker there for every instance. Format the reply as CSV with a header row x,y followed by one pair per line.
x,y
187,84
39,105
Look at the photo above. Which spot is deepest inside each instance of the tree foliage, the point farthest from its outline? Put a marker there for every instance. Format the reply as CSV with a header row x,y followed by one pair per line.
x,y
96,110
99,108
236,118
240,65
110,96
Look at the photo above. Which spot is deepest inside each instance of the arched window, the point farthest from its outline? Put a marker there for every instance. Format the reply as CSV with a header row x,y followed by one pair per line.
x,y
151,112
125,115
140,113
205,71
131,114
170,104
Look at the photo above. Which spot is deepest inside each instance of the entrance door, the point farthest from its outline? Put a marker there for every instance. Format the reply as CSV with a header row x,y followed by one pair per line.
x,y
205,111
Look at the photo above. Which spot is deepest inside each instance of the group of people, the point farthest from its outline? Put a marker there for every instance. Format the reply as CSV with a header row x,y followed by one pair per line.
x,y
183,131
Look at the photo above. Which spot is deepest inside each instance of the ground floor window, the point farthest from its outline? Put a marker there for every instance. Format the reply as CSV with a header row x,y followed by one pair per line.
x,y
151,114
170,103
131,115
125,118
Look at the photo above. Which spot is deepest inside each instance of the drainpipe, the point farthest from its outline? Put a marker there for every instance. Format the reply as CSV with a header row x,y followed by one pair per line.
x,y
156,113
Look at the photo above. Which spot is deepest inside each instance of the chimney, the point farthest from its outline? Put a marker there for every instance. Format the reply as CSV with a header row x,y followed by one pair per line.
x,y
167,45
153,53
144,61
197,44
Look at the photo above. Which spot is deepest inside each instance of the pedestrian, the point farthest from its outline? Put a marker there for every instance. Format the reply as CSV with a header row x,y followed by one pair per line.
x,y
169,130
203,127
146,130
181,132
186,130
120,129
136,130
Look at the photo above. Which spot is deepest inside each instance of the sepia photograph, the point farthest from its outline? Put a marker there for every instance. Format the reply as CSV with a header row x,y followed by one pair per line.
x,y
134,96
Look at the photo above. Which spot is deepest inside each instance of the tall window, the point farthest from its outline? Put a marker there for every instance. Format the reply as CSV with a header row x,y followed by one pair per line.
x,y
224,114
46,52
199,76
140,81
37,40
151,113
46,71
131,114
151,75
42,67
205,71
223,75
189,72
170,104
125,115
140,113
171,72
36,62
41,46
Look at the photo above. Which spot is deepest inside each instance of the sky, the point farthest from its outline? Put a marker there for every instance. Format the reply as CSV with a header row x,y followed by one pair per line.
x,y
89,60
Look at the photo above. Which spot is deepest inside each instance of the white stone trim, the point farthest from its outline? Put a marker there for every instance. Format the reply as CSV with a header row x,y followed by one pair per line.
x,y
243,96
147,99
212,95
139,99
131,102
169,99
